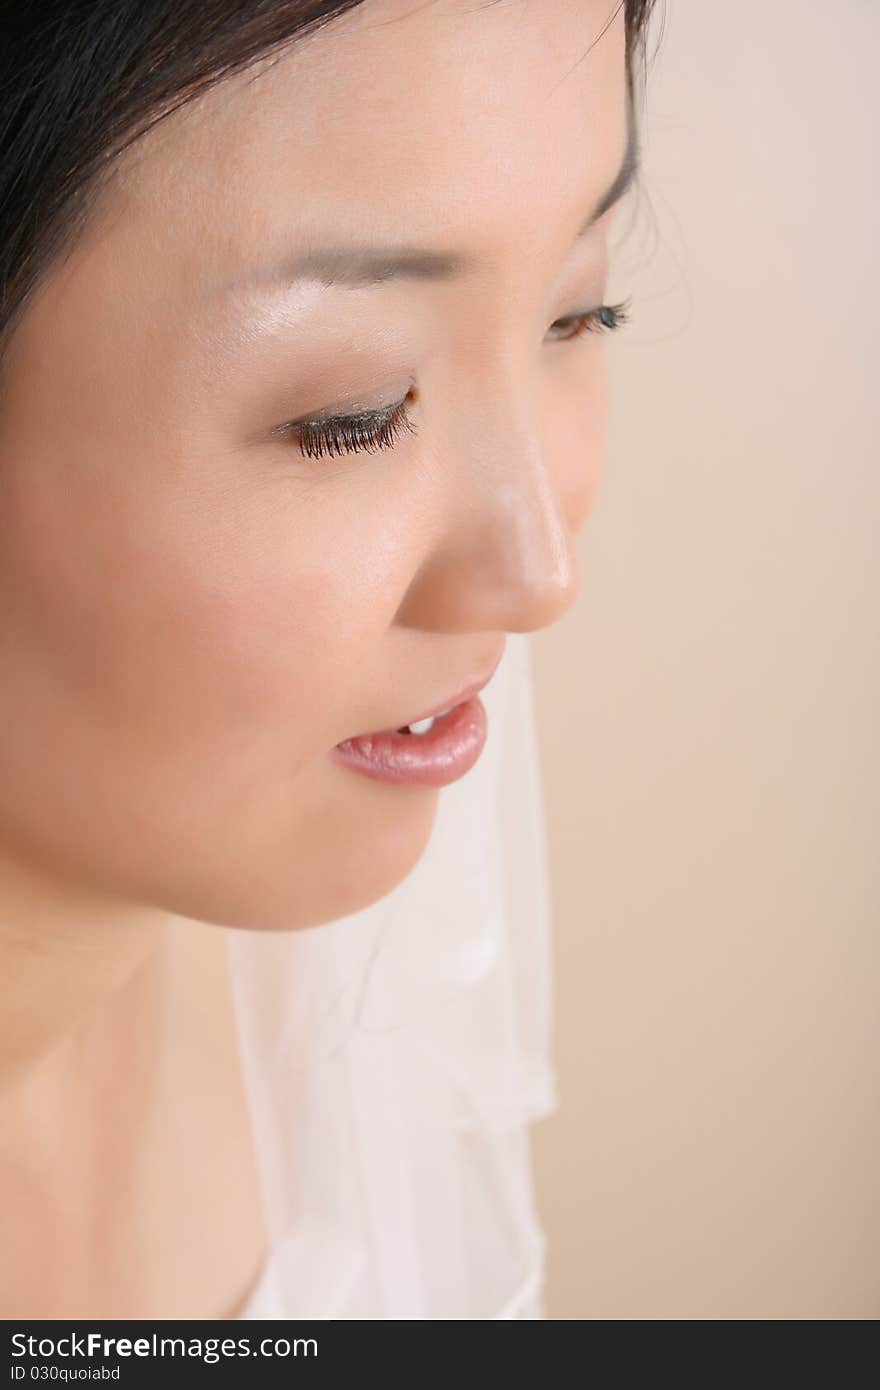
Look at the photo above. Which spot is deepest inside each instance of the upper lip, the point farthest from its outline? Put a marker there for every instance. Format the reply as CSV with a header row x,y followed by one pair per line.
x,y
464,692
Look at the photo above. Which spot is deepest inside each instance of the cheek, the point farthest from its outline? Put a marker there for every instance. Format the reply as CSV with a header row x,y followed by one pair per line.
x,y
181,617
178,661
176,665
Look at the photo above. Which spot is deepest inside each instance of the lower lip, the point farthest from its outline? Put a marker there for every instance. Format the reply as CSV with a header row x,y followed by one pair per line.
x,y
446,752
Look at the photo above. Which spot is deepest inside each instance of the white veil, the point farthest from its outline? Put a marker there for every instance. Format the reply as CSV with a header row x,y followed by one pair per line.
x,y
394,1058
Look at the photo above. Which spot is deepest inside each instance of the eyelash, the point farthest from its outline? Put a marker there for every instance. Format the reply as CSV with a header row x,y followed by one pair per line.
x,y
370,430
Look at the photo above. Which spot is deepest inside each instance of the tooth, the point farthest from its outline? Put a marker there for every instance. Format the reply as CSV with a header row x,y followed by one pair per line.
x,y
421,726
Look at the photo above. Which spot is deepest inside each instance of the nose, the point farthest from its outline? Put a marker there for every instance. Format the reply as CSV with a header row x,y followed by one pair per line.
x,y
509,503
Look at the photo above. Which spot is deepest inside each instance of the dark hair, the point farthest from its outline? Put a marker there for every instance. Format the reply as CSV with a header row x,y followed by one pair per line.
x,y
81,80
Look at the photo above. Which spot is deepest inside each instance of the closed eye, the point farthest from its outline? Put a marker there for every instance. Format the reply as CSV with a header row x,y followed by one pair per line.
x,y
369,431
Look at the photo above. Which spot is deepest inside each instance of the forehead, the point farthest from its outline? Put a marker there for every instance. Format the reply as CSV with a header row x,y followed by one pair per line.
x,y
451,121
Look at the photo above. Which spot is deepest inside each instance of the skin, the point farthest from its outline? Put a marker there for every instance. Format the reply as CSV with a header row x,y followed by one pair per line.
x,y
192,614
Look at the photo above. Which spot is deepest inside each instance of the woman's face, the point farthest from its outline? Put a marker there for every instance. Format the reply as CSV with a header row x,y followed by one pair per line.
x,y
192,612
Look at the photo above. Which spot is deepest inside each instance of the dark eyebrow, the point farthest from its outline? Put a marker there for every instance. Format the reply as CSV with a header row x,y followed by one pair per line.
x,y
358,264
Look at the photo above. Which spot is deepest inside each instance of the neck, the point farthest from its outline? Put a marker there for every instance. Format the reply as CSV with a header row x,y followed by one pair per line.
x,y
68,960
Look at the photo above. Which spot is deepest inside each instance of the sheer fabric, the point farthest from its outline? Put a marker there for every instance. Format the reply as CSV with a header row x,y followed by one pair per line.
x,y
394,1059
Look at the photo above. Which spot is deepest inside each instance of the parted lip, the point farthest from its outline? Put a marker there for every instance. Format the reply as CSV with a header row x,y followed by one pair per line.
x,y
472,688
464,692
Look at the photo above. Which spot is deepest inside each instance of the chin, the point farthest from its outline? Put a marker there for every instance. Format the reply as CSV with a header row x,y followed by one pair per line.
x,y
375,867
349,878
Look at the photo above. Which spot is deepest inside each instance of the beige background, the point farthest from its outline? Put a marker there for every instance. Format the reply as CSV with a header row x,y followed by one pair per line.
x,y
708,707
